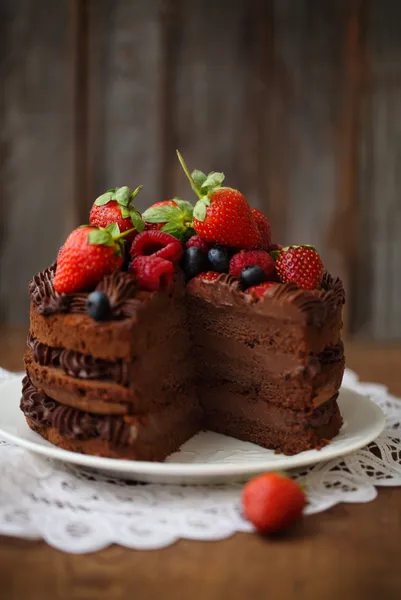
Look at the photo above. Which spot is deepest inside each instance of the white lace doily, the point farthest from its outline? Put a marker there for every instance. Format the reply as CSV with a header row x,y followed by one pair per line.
x,y
78,512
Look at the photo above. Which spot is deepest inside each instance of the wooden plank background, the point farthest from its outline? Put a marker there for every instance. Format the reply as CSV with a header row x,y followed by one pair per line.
x,y
296,101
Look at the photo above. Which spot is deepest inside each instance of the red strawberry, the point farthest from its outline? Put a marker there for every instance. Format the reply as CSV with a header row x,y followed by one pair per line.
x,y
157,243
115,206
263,224
301,265
153,273
208,276
159,226
261,288
171,216
250,258
88,254
222,215
197,241
272,502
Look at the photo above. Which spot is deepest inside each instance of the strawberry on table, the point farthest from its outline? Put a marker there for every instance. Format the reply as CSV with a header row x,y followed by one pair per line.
x,y
116,206
301,265
222,215
88,254
171,216
272,502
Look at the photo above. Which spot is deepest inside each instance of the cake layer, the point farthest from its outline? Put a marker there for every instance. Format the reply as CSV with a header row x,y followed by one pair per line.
x,y
275,432
105,397
149,437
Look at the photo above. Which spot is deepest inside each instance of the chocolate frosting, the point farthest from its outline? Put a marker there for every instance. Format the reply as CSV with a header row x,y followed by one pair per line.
x,y
313,306
79,365
73,423
120,287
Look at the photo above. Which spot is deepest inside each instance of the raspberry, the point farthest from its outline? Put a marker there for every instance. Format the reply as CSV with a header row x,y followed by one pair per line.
x,y
261,289
197,241
157,243
249,258
208,276
153,273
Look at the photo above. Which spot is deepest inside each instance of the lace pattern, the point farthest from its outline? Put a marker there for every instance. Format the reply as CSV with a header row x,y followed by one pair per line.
x,y
78,511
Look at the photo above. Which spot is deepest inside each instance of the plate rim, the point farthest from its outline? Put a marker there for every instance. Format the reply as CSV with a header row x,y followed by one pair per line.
x,y
192,470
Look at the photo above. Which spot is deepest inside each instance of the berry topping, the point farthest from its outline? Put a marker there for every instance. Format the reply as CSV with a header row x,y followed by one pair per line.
x,y
88,254
261,288
208,276
194,262
156,243
171,216
301,265
263,224
272,502
250,258
98,306
197,241
219,259
153,273
222,215
116,206
251,276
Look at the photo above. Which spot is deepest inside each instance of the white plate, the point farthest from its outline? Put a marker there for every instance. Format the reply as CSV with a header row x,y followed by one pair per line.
x,y
206,458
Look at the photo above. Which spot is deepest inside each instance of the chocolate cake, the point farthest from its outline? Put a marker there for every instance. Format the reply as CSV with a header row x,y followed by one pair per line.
x,y
208,356
150,328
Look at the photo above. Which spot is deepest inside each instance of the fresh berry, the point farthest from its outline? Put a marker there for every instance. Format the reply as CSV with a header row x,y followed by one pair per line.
x,y
208,276
98,306
251,276
263,224
261,288
158,226
153,273
248,258
156,243
89,254
275,247
222,215
171,216
272,502
219,259
197,241
301,265
116,206
194,262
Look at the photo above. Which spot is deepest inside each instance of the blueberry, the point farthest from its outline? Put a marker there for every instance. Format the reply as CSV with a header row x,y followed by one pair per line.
x,y
219,259
194,262
98,306
252,275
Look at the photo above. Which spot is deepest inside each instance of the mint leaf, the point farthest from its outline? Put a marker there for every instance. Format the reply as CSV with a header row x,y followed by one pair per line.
x,y
212,181
123,195
100,237
105,198
199,178
137,221
200,211
113,229
161,214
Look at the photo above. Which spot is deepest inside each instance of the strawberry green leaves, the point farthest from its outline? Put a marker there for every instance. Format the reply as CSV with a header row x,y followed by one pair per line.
x,y
203,185
175,215
108,236
124,198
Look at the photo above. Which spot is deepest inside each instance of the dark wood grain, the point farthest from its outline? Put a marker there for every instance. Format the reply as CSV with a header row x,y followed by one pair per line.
x,y
349,552
36,178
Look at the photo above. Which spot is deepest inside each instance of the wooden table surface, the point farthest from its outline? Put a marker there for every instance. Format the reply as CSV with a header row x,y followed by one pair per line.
x,y
349,552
